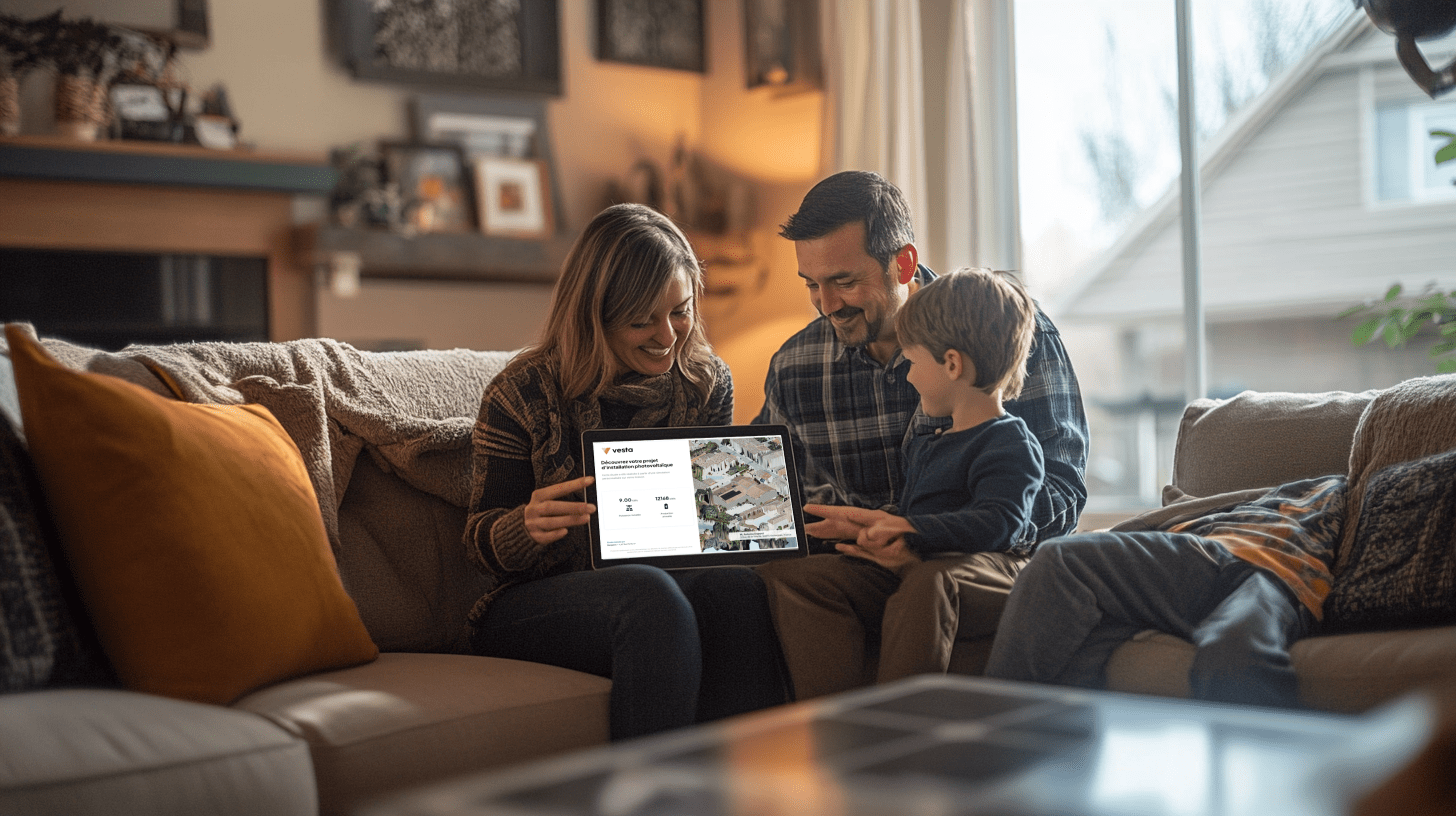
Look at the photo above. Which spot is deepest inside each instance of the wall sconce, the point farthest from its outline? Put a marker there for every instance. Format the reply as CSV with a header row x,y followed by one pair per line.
x,y
344,273
1411,20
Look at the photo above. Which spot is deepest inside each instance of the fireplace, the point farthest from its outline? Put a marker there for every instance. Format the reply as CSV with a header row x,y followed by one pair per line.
x,y
112,299
114,242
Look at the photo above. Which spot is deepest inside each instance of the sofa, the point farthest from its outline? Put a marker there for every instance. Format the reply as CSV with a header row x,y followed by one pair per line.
x,y
381,442
1234,447
121,698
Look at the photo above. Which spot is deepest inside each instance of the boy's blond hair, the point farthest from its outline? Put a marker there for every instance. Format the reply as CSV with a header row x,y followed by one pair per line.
x,y
984,314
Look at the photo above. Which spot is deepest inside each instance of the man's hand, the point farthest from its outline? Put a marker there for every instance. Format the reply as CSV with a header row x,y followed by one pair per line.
x,y
883,542
885,531
873,535
892,555
841,523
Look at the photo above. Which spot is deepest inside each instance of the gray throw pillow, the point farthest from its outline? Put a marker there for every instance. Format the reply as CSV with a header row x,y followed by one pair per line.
x,y
1400,568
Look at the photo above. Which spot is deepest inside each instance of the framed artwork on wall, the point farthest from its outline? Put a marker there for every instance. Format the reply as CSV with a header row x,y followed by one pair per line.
x,y
505,44
433,185
656,33
513,197
782,39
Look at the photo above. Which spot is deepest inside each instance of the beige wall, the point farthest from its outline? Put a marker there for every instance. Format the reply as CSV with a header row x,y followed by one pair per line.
x,y
290,94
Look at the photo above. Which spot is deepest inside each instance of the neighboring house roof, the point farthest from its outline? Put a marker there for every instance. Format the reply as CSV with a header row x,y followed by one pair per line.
x,y
1284,231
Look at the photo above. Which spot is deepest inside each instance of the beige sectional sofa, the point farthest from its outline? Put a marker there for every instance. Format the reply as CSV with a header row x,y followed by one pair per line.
x,y
328,741
1263,439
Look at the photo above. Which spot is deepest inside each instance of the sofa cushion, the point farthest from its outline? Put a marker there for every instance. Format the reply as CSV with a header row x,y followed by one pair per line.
x,y
45,639
192,530
84,752
407,719
1264,439
403,564
1347,673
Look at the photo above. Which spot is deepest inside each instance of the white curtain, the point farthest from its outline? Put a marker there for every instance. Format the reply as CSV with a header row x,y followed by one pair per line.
x,y
919,91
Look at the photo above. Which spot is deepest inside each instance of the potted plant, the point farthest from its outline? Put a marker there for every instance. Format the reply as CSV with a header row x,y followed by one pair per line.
x,y
1397,318
19,53
87,55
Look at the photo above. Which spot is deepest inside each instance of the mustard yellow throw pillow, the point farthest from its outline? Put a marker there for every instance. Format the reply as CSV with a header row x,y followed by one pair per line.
x,y
192,531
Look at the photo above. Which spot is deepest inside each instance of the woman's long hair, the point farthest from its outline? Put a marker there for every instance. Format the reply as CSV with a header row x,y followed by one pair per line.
x,y
614,275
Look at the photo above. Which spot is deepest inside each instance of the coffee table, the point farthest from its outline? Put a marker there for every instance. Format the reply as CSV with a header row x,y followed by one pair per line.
x,y
943,745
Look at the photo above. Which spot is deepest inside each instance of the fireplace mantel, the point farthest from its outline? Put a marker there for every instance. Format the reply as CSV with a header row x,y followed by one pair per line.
x,y
162,198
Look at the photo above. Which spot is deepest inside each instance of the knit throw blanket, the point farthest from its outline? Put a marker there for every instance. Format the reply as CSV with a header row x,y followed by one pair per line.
x,y
412,412
1396,561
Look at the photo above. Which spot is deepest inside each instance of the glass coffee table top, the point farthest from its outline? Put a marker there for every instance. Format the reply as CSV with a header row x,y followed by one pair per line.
x,y
944,745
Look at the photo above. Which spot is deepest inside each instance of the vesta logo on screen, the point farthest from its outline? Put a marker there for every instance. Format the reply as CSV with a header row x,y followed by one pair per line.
x,y
606,451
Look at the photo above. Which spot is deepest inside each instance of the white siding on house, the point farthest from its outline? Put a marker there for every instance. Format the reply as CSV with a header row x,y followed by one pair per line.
x,y
1291,236
1287,227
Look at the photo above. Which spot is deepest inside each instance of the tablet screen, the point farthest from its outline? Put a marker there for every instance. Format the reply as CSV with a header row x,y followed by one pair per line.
x,y
691,497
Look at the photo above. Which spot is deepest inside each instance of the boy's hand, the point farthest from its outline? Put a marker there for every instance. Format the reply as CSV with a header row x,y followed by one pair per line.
x,y
841,523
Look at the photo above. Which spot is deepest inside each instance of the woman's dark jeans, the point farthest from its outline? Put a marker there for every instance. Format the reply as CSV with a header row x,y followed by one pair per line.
x,y
680,647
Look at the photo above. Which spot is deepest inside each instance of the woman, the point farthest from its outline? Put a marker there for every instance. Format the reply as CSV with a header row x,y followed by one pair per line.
x,y
622,347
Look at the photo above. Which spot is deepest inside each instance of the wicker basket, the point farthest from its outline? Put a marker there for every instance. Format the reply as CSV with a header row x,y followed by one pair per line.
x,y
80,107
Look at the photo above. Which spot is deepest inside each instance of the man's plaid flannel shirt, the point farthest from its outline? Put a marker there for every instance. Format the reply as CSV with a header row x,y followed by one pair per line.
x,y
849,417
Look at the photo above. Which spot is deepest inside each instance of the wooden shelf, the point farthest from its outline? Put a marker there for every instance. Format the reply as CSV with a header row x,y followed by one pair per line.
x,y
50,158
434,256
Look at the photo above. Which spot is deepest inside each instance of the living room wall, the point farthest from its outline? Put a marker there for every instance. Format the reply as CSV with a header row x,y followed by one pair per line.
x,y
291,94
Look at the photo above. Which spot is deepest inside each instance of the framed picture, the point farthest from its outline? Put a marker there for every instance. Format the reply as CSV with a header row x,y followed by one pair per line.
x,y
503,44
141,112
483,126
658,33
782,39
433,185
512,197
183,22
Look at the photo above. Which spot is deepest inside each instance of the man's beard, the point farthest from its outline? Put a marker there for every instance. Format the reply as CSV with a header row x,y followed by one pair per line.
x,y
864,333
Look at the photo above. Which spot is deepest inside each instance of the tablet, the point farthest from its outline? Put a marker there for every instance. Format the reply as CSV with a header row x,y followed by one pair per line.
x,y
693,497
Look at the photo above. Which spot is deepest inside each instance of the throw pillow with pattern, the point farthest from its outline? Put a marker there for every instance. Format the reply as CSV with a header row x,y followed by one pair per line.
x,y
1400,569
45,640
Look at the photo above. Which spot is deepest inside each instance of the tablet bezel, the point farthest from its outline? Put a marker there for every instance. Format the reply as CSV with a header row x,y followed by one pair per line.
x,y
726,559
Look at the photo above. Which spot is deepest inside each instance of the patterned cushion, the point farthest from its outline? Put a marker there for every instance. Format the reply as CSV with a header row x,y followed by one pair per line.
x,y
45,641
1401,565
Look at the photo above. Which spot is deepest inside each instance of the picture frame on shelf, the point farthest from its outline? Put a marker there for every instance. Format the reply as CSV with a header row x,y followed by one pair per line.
x,y
483,126
433,185
140,111
510,127
781,39
466,43
654,33
513,198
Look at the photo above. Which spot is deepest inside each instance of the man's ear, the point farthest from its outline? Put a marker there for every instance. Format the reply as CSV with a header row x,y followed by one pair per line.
x,y
905,262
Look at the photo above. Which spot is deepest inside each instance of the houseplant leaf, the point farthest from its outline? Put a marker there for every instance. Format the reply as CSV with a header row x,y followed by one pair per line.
x,y
1448,152
1365,332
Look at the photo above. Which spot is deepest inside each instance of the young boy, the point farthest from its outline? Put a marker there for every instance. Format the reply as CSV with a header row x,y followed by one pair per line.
x,y
968,489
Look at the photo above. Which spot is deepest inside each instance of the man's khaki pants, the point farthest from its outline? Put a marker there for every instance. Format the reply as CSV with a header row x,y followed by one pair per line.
x,y
845,622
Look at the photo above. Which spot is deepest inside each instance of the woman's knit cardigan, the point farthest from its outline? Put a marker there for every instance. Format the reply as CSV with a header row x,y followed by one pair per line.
x,y
528,435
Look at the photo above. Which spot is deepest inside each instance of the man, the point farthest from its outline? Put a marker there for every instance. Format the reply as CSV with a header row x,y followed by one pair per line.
x,y
840,387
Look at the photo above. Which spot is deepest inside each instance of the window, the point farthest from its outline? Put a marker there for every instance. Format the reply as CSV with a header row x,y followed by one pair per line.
x,y
1288,239
1405,151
